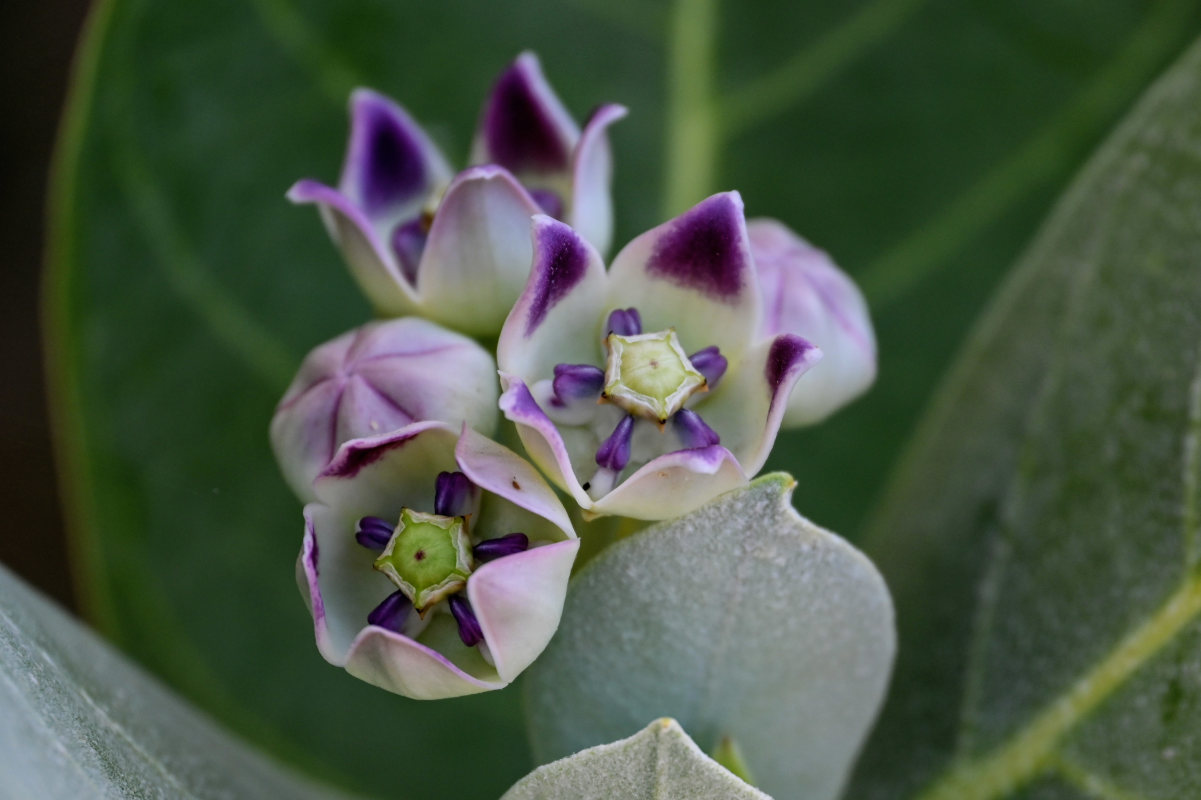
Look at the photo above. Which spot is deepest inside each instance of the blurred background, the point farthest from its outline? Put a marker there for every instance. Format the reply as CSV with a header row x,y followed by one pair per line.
x,y
38,39
920,142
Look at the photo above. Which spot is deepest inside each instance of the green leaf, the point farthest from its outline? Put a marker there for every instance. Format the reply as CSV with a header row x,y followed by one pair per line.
x,y
1042,539
906,136
741,620
659,762
80,721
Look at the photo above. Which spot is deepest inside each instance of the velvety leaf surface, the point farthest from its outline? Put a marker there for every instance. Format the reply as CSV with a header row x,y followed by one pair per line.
x,y
741,620
915,139
80,721
659,762
1042,537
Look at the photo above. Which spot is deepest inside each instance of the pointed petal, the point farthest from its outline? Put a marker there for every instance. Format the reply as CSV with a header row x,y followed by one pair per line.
x,y
410,668
371,264
806,294
391,166
478,254
378,476
336,577
591,176
524,126
542,440
518,601
557,319
693,273
497,469
674,484
748,407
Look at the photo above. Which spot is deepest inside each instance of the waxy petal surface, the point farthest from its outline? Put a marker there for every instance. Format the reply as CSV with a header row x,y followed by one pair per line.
x,y
591,209
674,484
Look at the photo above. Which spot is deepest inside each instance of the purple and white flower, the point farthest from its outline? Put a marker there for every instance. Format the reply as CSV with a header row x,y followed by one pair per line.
x,y
646,391
806,294
455,248
375,379
434,564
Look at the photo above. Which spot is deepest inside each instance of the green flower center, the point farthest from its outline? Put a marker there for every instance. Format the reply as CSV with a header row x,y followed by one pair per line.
x,y
649,374
428,557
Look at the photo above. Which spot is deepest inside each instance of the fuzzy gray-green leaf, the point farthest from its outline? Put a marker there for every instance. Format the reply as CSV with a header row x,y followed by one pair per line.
x,y
741,619
1041,538
659,762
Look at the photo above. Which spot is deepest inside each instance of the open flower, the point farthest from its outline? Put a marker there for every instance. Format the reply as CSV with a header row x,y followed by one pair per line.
x,y
806,294
434,564
646,391
375,379
456,248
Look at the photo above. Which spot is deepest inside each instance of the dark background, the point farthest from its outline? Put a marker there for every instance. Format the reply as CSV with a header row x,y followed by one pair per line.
x,y
37,39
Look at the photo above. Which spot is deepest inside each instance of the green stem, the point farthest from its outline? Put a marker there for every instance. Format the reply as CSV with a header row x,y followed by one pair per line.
x,y
692,124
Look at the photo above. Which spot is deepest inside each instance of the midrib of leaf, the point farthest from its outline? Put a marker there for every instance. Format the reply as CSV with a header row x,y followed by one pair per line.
x,y
691,125
1032,749
930,247
334,76
1092,785
800,77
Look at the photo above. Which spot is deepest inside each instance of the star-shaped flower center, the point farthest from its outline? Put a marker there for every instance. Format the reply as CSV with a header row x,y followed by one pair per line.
x,y
649,375
428,557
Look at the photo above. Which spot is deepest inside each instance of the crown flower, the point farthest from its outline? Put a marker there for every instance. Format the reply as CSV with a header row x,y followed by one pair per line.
x,y
646,391
455,248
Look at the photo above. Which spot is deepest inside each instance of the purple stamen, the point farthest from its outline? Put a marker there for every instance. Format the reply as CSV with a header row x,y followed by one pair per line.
x,y
577,382
391,613
549,201
469,627
507,545
614,452
625,322
408,242
373,533
693,430
710,363
454,495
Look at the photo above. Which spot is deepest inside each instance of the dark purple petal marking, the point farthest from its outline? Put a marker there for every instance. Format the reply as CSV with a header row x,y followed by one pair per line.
x,y
507,545
391,613
549,201
454,495
354,456
704,249
614,452
393,167
519,129
469,627
577,382
408,243
374,533
624,322
787,351
693,431
710,363
560,262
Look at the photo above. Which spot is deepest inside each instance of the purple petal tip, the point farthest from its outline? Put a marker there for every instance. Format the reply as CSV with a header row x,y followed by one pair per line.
x,y
560,262
705,249
519,125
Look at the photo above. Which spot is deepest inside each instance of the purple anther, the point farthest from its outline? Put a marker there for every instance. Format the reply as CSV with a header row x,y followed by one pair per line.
x,y
692,430
408,242
469,627
614,452
507,545
710,363
549,201
373,533
454,495
625,322
577,382
391,613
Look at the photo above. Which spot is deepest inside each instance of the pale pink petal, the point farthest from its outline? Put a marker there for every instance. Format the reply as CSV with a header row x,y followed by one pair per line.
x,y
674,484
591,202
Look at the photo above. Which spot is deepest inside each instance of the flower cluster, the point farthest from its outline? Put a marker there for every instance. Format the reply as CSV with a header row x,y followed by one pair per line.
x,y
436,560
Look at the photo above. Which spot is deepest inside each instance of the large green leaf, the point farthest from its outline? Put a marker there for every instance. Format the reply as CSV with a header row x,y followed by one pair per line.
x,y
659,762
1042,540
80,721
742,620
904,135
